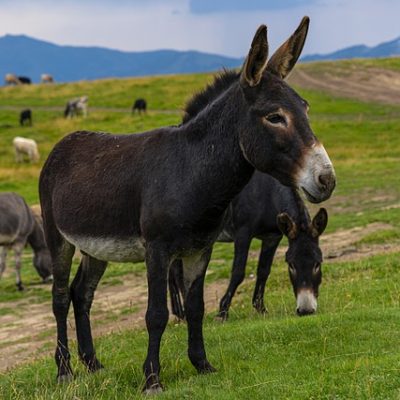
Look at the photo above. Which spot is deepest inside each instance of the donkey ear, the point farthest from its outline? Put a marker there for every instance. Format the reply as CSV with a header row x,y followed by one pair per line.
x,y
285,58
256,60
286,225
319,222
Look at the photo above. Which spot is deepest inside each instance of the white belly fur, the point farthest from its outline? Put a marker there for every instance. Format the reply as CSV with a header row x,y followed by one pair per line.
x,y
109,249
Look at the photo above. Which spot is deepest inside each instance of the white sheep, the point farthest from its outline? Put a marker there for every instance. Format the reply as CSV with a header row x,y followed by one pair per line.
x,y
25,146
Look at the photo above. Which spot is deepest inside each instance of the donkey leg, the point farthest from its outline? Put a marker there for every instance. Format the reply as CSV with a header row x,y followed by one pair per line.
x,y
82,291
3,257
174,278
242,245
62,259
194,270
268,249
18,249
157,262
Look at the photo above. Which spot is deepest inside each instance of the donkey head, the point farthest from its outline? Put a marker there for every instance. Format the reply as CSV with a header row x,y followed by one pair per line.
x,y
276,136
304,258
43,265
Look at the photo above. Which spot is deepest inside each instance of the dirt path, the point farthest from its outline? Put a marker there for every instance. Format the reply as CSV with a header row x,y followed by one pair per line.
x,y
122,306
115,308
366,84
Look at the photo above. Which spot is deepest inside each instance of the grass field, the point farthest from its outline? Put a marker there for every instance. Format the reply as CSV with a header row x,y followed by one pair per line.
x,y
350,349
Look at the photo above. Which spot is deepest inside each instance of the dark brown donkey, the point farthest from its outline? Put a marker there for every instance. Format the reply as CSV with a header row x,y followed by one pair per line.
x,y
267,210
162,195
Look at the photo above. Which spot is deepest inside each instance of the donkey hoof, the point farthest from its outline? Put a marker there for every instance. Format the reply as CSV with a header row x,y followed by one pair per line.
x,y
92,363
153,385
20,287
95,366
65,378
205,368
262,310
222,316
154,389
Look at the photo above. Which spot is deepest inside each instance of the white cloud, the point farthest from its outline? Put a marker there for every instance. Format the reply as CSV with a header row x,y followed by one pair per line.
x,y
148,25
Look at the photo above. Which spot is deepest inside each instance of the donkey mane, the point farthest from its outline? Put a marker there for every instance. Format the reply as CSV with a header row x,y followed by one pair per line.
x,y
303,218
204,97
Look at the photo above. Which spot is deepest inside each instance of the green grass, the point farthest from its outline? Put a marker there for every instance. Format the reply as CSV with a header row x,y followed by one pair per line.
x,y
350,349
346,67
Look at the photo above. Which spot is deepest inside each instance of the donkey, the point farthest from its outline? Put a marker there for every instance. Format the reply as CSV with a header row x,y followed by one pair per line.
x,y
76,107
19,226
162,195
140,105
24,80
25,117
267,210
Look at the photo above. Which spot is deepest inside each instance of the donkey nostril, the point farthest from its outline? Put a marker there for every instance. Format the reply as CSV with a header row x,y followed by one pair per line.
x,y
324,180
304,311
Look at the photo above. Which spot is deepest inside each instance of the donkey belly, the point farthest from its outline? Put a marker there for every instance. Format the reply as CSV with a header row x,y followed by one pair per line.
x,y
109,248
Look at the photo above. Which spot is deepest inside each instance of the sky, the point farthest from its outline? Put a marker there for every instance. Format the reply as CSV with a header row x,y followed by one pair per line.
x,y
215,26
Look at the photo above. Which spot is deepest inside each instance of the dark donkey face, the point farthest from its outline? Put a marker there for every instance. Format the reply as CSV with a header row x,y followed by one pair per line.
x,y
304,258
276,137
42,264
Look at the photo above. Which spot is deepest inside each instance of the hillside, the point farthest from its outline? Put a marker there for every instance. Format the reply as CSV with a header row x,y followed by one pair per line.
x,y
23,55
386,49
375,80
349,350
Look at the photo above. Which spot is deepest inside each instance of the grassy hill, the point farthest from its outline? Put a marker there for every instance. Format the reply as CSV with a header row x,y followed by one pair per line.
x,y
350,349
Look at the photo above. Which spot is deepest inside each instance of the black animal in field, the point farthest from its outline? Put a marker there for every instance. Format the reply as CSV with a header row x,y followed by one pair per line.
x,y
161,195
24,80
265,209
25,117
140,105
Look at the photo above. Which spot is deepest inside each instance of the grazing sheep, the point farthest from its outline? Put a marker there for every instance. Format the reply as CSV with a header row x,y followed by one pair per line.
x,y
25,146
11,79
46,78
25,116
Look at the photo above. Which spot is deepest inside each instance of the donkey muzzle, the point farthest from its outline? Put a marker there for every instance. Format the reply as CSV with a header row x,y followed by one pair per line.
x,y
317,178
306,302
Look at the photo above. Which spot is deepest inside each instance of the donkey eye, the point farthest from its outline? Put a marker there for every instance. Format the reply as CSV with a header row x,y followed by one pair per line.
x,y
275,119
292,269
317,268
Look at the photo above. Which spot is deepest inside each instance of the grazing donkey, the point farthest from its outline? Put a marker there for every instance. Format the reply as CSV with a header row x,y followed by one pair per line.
x,y
24,80
162,195
267,210
76,107
19,226
140,105
25,116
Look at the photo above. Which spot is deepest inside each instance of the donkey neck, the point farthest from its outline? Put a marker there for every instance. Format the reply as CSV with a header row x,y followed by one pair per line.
x,y
293,204
36,238
213,140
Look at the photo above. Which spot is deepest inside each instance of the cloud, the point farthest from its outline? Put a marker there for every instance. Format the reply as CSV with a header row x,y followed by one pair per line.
x,y
226,28
221,6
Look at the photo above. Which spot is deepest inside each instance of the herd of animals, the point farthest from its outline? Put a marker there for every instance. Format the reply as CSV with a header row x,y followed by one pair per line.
x,y
230,172
74,107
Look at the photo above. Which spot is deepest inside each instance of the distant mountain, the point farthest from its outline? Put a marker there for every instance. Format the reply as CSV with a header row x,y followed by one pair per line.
x,y
386,49
22,55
